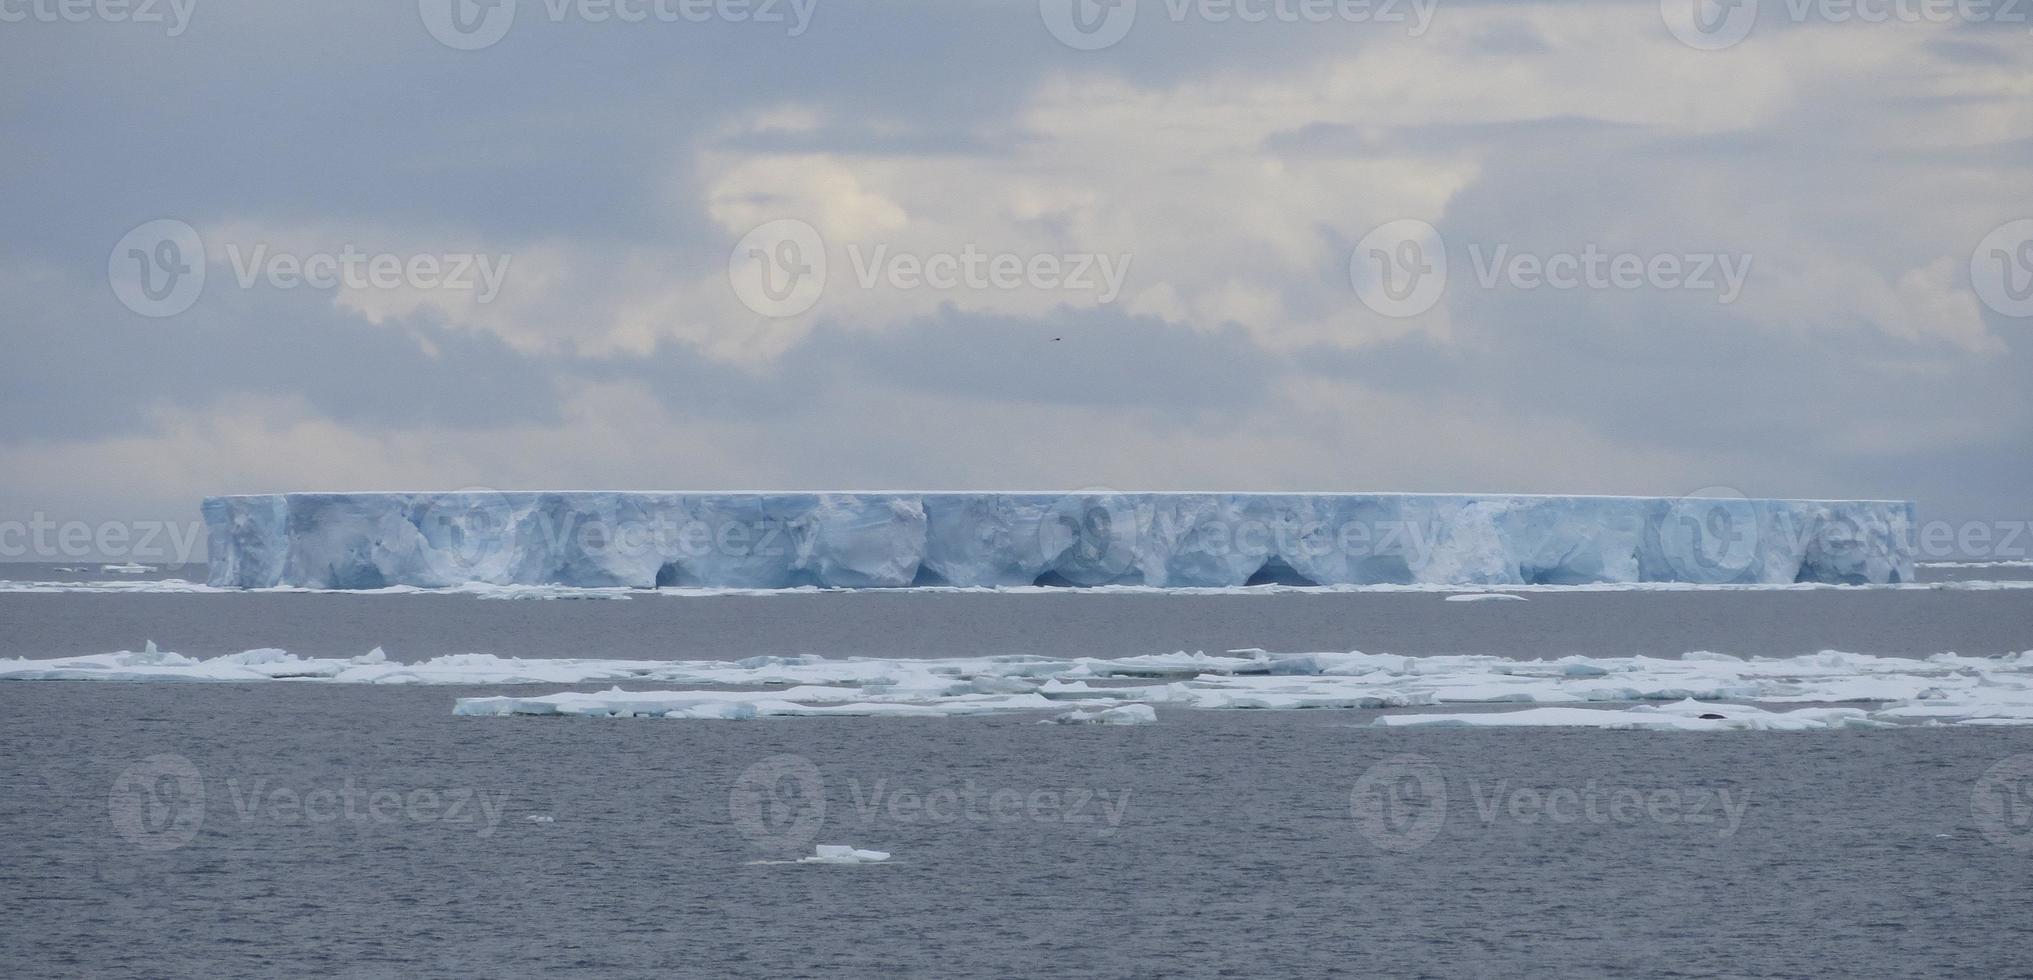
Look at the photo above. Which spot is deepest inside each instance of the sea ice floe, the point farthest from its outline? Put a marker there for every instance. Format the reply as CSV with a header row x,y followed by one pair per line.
x,y
842,854
1128,714
1943,688
1679,716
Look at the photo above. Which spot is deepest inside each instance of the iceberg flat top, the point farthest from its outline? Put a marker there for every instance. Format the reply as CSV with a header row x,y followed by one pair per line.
x,y
1055,494
1165,539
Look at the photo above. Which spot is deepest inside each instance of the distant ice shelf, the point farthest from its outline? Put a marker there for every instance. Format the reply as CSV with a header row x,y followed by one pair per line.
x,y
596,539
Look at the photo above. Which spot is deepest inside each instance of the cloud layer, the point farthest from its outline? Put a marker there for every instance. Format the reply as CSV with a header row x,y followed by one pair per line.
x,y
1223,174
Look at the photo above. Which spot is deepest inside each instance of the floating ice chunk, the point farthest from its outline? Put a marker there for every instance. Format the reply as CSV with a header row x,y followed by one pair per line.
x,y
127,568
541,818
1128,714
810,702
842,854
1683,716
1485,597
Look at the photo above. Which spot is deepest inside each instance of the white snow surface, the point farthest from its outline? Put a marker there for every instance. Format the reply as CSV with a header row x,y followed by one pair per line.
x,y
1653,692
973,540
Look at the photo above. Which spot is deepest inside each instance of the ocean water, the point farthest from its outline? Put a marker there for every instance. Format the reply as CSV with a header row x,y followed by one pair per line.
x,y
1237,849
1947,614
318,830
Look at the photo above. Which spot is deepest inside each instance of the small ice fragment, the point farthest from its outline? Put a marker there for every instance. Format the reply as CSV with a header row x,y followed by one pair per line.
x,y
541,818
1485,597
842,854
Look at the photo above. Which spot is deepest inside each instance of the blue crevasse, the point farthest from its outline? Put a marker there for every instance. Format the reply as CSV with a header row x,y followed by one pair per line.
x,y
1167,540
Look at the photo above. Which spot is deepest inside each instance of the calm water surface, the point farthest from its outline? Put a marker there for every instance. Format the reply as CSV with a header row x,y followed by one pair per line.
x,y
366,832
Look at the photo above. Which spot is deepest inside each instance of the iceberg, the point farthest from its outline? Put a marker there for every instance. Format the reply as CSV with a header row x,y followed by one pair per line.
x,y
643,540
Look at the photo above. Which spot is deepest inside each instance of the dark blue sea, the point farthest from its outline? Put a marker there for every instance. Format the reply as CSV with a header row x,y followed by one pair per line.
x,y
285,829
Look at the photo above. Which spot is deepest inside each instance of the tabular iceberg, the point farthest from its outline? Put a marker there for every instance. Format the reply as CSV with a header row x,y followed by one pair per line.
x,y
1166,540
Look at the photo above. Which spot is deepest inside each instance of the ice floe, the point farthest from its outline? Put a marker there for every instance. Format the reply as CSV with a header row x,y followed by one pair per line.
x,y
1128,714
842,854
1682,716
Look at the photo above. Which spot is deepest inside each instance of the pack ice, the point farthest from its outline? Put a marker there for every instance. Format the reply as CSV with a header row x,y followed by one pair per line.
x,y
1204,540
1694,692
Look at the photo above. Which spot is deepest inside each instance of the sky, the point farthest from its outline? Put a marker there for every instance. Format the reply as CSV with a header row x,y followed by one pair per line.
x,y
1582,247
